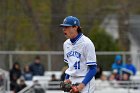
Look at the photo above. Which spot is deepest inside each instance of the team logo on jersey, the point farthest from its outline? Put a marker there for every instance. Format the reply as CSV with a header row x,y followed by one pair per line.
x,y
74,54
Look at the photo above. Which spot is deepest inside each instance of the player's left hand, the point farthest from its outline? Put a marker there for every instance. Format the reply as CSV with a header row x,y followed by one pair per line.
x,y
80,86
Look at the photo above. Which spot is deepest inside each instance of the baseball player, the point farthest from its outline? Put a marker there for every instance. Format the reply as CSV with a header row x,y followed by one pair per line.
x,y
79,53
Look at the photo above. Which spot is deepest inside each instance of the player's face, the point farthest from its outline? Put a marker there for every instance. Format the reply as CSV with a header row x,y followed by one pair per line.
x,y
70,32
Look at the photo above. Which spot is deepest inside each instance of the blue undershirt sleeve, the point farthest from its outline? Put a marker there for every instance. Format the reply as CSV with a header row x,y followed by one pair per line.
x,y
91,73
66,76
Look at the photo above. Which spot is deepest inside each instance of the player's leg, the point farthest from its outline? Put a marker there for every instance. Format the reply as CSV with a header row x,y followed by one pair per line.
x,y
90,87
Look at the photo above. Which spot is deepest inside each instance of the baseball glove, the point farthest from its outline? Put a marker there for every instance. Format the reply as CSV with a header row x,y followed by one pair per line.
x,y
65,86
68,87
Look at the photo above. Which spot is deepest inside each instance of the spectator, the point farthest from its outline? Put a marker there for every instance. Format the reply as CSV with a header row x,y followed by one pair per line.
x,y
129,66
125,79
14,85
112,77
125,76
112,80
1,80
53,83
37,87
99,72
36,67
103,77
15,71
117,65
53,78
21,84
115,73
27,74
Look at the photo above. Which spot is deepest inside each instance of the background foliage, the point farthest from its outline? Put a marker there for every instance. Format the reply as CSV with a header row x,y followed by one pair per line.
x,y
33,25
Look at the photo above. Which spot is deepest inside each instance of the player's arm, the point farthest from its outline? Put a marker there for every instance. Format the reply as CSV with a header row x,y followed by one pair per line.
x,y
91,73
67,76
65,60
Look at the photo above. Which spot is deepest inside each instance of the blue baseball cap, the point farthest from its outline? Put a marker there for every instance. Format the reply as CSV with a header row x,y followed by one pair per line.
x,y
70,21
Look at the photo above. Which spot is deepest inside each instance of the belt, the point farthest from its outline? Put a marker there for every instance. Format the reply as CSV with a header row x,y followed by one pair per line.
x,y
77,76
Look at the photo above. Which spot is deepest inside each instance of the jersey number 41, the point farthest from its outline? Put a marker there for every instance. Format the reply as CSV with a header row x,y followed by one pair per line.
x,y
77,65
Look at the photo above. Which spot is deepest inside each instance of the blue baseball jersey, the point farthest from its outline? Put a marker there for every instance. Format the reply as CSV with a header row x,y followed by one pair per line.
x,y
79,55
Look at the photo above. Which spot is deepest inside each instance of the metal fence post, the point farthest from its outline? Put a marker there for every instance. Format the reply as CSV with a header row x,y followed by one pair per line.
x,y
138,61
10,61
124,58
8,83
49,62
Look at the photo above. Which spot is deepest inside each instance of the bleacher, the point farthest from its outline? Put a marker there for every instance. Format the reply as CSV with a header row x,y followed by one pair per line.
x,y
104,88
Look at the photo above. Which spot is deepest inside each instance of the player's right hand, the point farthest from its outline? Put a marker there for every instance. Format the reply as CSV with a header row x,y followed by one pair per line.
x,y
74,89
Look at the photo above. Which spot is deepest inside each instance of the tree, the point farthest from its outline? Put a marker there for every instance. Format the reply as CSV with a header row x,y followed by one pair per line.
x,y
27,7
124,25
102,40
57,15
